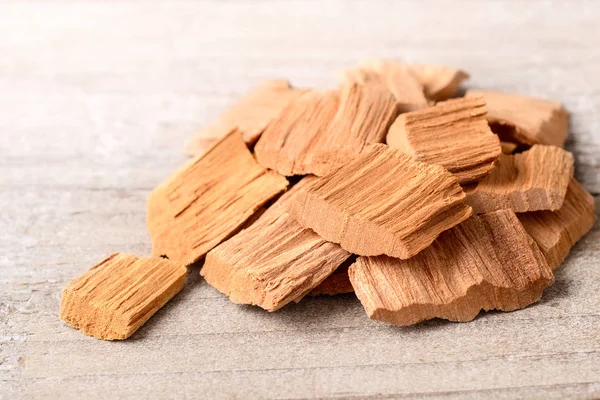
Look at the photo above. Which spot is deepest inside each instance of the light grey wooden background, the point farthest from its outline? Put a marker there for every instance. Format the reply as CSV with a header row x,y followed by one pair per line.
x,y
96,101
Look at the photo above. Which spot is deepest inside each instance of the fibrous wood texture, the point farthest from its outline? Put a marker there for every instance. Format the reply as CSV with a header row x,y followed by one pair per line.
x,y
321,131
287,145
397,77
523,119
536,179
208,199
383,202
439,81
488,262
274,261
249,115
453,134
336,283
117,296
556,232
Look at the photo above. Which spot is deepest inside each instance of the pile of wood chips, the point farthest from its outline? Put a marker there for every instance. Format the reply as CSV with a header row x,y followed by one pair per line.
x,y
424,205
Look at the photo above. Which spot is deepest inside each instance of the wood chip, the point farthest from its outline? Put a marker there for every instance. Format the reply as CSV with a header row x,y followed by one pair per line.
x,y
336,283
286,146
274,261
250,114
526,120
117,296
556,232
397,77
439,81
208,199
488,262
453,134
310,137
534,180
508,147
383,202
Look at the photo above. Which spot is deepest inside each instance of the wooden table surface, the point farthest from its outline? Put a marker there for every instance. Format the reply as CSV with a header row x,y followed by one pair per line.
x,y
96,101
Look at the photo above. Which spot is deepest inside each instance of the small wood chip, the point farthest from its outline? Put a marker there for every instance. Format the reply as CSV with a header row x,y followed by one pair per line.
x,y
453,134
287,144
526,120
508,147
208,199
439,81
556,232
115,297
536,179
383,202
309,137
336,283
397,77
487,262
274,261
250,114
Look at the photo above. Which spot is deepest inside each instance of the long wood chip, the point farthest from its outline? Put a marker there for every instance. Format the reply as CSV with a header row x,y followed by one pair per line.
x,y
117,296
274,261
487,262
534,180
453,134
556,232
308,137
208,199
526,120
250,115
383,202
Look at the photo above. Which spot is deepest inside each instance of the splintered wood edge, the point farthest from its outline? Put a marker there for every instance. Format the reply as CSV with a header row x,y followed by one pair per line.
x,y
403,248
462,308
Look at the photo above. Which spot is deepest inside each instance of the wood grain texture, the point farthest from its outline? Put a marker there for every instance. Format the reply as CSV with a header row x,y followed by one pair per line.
x,y
524,119
534,180
118,295
381,202
453,134
274,261
488,262
208,199
98,99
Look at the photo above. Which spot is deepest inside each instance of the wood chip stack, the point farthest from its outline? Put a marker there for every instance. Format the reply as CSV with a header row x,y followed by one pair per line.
x,y
423,204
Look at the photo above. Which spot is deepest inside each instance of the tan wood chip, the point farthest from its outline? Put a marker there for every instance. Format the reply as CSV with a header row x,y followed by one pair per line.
x,y
115,297
488,262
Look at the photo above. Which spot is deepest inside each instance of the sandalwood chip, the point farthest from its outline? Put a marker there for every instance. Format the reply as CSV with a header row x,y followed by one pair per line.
x,y
208,199
398,78
250,114
453,134
534,180
382,202
115,297
287,145
556,232
439,81
274,261
526,120
309,137
488,262
336,283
